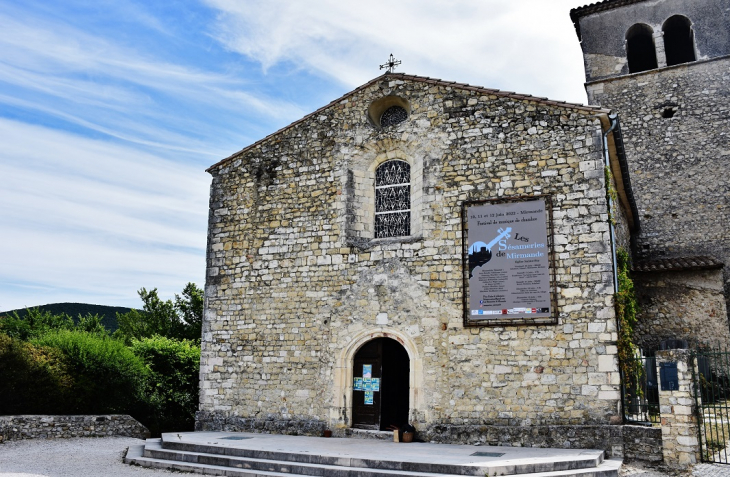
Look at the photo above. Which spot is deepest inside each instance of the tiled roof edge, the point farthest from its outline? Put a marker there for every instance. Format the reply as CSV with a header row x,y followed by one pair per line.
x,y
625,175
422,79
577,13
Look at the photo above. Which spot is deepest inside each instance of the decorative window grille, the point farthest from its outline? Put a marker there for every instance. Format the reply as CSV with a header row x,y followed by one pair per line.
x,y
393,199
393,115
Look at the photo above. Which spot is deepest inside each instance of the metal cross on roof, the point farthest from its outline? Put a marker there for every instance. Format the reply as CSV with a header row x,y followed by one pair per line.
x,y
391,64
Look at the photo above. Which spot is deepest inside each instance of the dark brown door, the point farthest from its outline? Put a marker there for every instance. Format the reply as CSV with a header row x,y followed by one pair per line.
x,y
366,414
387,404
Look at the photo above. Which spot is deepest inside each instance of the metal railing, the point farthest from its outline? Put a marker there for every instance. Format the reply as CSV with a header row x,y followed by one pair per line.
x,y
712,392
641,392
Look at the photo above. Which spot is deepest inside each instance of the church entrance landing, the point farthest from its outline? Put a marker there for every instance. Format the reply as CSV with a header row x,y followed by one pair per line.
x,y
246,454
381,385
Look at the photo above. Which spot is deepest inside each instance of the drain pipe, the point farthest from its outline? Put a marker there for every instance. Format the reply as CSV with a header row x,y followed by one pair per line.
x,y
612,231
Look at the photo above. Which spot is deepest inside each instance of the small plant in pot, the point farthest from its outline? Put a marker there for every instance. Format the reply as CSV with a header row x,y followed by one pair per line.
x,y
409,432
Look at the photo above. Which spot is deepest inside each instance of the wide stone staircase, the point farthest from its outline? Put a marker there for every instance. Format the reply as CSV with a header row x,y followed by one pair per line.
x,y
240,454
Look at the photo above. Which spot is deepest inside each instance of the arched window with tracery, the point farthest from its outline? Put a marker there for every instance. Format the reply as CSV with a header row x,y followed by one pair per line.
x,y
679,42
393,199
640,50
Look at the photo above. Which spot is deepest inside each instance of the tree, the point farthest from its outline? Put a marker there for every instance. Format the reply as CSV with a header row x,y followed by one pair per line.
x,y
181,319
189,308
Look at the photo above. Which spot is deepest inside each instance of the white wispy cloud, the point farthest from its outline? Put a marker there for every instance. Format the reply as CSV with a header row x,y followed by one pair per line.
x,y
71,74
96,218
527,45
110,112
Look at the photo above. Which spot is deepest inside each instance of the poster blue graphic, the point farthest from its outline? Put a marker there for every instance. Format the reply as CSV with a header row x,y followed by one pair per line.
x,y
358,384
368,397
367,370
376,384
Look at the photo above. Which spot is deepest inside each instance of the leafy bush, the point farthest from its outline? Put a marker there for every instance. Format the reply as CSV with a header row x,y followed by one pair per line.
x,y
35,380
108,314
172,391
50,364
108,376
35,323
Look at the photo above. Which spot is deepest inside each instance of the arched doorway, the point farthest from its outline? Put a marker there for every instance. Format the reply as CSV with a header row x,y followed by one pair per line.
x,y
381,372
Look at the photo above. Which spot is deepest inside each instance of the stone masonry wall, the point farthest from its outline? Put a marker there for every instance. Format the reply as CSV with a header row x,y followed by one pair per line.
x,y
686,305
47,427
680,166
642,443
291,285
680,436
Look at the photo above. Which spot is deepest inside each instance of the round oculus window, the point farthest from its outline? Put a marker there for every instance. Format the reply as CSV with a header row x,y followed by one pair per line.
x,y
393,115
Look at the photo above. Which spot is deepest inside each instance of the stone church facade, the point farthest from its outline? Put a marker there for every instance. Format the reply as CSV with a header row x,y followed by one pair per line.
x,y
337,247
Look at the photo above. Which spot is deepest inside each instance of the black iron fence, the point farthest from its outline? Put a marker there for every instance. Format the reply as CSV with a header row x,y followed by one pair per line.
x,y
640,391
712,392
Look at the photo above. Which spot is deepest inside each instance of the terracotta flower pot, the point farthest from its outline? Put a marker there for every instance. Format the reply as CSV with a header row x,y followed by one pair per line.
x,y
327,433
408,436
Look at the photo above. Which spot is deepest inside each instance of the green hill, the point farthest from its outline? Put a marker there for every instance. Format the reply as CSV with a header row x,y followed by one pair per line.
x,y
108,314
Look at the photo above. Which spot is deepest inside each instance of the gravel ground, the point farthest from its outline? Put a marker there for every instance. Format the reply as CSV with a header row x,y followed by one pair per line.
x,y
81,457
102,457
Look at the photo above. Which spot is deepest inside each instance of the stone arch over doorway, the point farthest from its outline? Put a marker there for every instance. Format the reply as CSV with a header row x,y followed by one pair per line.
x,y
341,414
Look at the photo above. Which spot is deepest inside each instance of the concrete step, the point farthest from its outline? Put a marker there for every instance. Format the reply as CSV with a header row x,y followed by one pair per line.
x,y
219,460
510,467
190,462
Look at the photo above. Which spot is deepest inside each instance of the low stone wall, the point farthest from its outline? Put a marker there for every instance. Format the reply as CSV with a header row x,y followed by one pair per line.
x,y
643,443
605,437
205,421
46,427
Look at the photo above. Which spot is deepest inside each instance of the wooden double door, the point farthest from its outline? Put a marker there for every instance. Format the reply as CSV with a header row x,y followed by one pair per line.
x,y
381,388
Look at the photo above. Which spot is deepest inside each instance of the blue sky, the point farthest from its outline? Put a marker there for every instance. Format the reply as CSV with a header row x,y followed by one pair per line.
x,y
110,112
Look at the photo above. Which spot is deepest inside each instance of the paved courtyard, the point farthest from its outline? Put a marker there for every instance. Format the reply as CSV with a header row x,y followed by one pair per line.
x,y
87,457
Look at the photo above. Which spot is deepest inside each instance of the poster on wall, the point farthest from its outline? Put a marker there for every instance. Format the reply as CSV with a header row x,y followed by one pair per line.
x,y
508,270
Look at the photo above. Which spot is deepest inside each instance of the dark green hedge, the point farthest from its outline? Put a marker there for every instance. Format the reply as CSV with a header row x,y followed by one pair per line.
x,y
53,364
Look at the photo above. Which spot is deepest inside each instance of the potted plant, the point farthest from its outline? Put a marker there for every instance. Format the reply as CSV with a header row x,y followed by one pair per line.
x,y
409,432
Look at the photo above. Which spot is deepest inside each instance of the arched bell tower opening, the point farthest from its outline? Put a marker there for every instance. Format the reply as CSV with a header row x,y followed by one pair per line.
x,y
678,40
381,389
640,49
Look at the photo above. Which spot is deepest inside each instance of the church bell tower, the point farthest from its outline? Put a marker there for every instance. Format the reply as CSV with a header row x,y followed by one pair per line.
x,y
664,67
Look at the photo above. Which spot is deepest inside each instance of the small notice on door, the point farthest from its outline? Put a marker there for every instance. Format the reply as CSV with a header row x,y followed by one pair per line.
x,y
367,370
358,384
369,398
